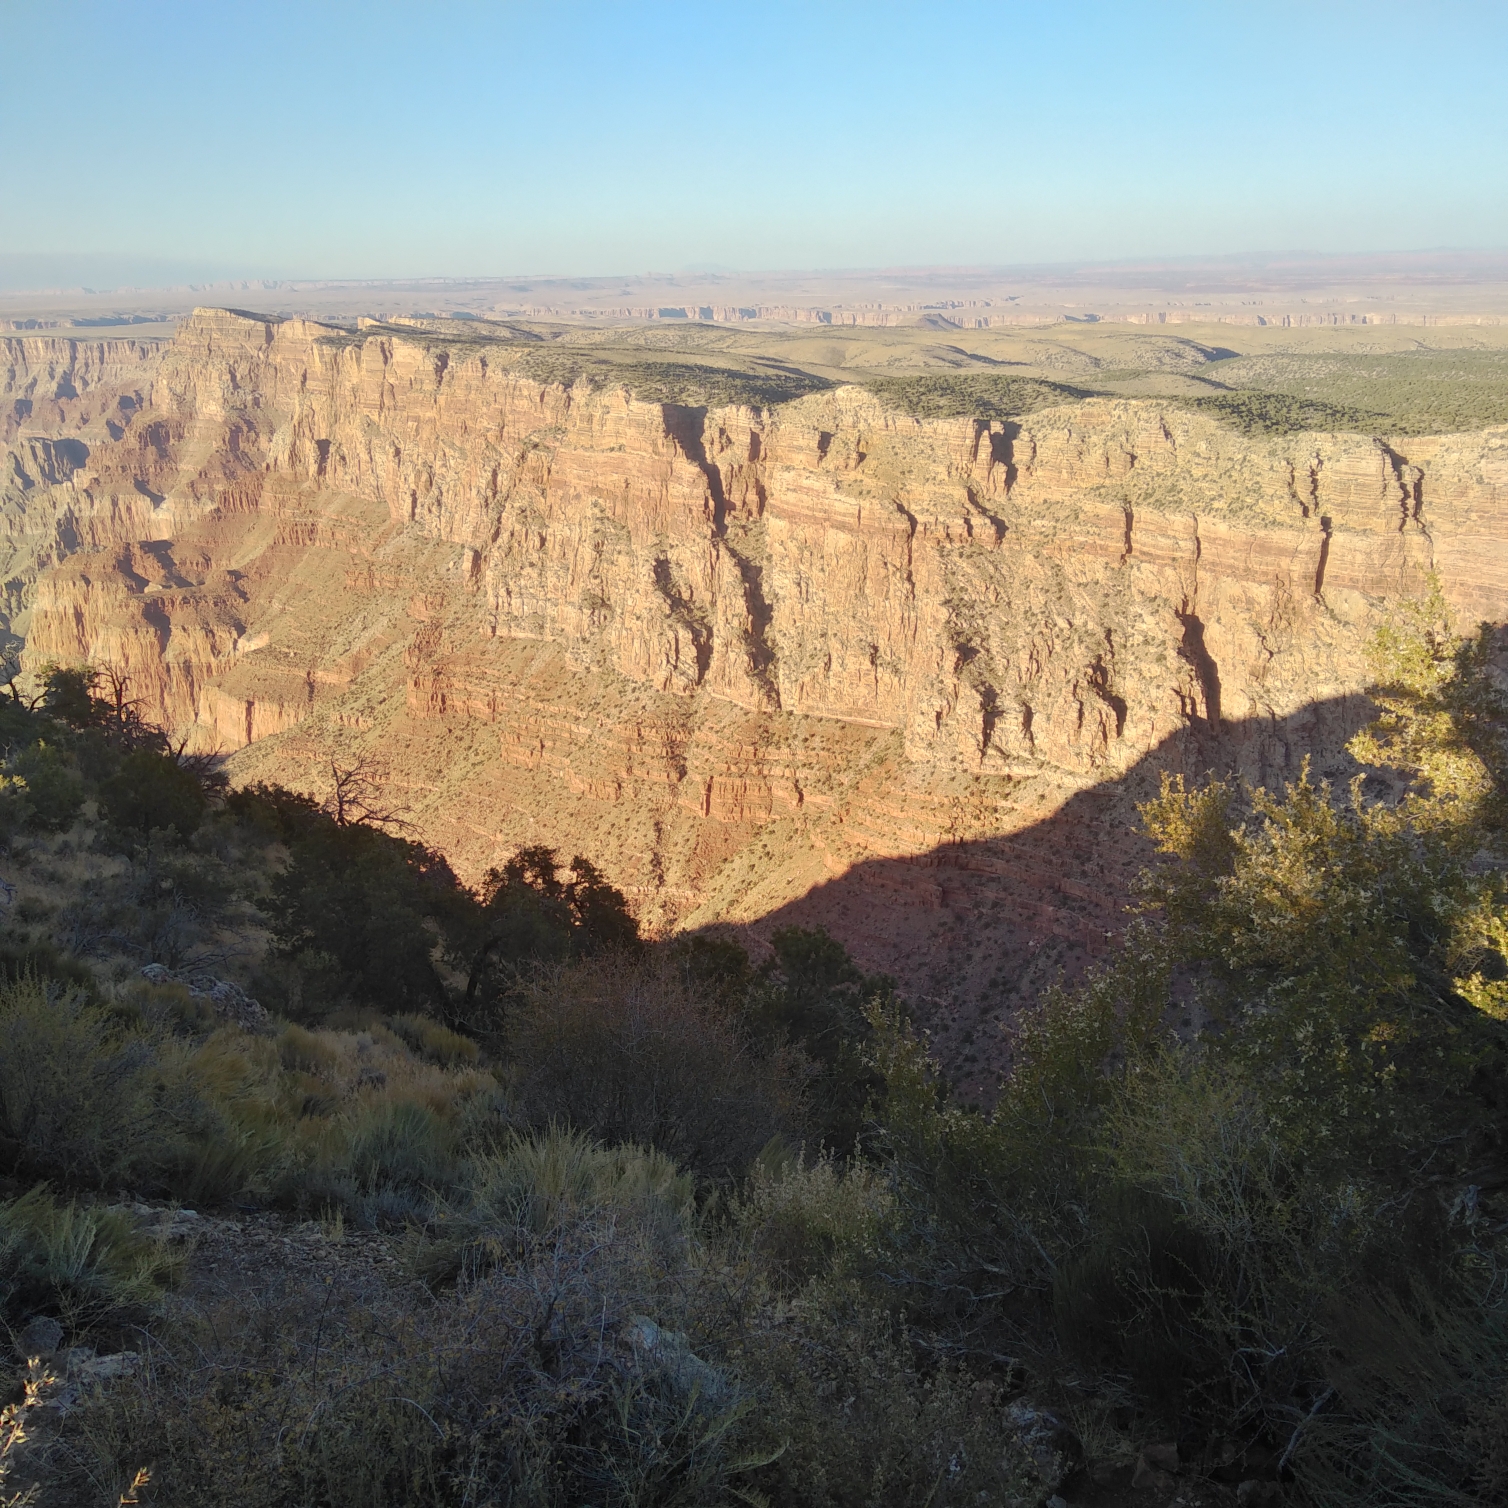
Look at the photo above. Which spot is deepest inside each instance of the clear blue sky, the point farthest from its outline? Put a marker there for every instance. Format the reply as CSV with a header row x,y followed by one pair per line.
x,y
437,137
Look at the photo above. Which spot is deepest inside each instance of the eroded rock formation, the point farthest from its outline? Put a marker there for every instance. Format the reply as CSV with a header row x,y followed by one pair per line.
x,y
728,653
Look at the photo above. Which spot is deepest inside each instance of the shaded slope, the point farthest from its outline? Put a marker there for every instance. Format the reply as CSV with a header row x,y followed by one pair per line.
x,y
976,929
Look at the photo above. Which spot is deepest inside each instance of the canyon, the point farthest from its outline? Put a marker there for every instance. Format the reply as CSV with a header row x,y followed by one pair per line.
x,y
822,660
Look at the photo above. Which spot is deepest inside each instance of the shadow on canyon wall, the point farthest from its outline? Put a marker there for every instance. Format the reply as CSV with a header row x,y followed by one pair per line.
x,y
974,930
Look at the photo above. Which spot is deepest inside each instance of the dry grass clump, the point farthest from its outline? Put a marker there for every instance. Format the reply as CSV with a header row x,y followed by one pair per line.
x,y
96,1099
78,1262
351,1120
531,1188
435,1042
101,1095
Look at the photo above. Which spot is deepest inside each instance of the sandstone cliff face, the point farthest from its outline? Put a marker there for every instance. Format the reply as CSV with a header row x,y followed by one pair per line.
x,y
729,653
62,400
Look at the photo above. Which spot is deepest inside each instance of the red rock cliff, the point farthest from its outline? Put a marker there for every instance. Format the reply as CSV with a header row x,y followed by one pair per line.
x,y
730,653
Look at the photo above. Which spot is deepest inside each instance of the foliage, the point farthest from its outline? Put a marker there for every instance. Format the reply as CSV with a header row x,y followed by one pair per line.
x,y
976,395
149,790
77,1262
1272,1230
355,902
88,739
1243,1187
531,1189
1410,392
539,1379
630,1053
812,995
45,787
866,1422
529,913
1253,411
684,383
811,1220
88,1098
526,1387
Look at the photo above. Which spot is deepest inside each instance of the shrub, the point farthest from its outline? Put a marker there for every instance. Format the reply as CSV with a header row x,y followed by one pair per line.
x,y
360,901
78,1093
813,995
864,1422
351,1121
42,962
396,1144
528,913
534,1188
80,1263
306,1051
805,1221
540,1380
46,788
150,791
631,1053
436,1042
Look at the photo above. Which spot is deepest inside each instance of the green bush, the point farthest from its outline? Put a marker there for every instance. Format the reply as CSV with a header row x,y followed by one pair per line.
x,y
359,902
807,1221
812,995
45,790
976,395
631,1053
151,792
1282,1231
42,961
103,1095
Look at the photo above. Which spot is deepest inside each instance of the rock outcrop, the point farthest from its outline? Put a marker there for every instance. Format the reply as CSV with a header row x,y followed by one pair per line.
x,y
729,652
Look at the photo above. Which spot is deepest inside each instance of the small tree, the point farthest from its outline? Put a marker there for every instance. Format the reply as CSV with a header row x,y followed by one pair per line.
x,y
528,912
356,796
150,790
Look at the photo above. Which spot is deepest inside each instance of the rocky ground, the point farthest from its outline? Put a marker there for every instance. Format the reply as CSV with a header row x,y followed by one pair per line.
x,y
236,1263
228,1259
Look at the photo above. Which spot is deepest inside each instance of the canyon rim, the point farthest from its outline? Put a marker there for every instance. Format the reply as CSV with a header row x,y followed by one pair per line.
x,y
805,654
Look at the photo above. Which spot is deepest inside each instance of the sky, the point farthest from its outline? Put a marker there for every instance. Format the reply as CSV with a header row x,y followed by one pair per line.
x,y
166,141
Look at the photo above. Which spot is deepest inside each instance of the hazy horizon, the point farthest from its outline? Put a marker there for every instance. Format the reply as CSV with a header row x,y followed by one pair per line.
x,y
106,273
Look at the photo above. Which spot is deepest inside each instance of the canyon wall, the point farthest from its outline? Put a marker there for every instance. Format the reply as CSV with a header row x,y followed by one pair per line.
x,y
733,653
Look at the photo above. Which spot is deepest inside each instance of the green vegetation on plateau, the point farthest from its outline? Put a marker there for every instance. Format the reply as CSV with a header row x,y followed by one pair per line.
x,y
1415,392
1255,412
975,395
1364,380
688,383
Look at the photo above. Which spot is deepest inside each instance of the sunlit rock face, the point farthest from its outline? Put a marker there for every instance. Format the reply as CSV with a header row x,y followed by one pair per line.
x,y
728,653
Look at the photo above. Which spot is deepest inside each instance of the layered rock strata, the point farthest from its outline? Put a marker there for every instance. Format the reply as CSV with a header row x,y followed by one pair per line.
x,y
729,653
